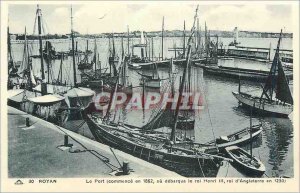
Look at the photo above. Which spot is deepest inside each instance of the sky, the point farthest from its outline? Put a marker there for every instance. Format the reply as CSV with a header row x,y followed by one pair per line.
x,y
100,17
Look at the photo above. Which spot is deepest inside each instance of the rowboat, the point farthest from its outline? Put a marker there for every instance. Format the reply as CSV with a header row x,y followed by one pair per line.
x,y
238,138
243,161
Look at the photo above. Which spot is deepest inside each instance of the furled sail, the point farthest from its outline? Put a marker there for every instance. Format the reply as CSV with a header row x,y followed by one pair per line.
x,y
277,81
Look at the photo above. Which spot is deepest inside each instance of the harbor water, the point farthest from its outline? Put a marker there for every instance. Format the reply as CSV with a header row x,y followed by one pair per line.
x,y
221,114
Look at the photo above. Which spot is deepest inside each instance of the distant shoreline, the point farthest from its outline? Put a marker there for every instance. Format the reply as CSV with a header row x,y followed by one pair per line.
x,y
167,33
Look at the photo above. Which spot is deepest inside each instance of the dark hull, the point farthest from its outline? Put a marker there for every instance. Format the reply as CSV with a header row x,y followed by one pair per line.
x,y
186,125
184,165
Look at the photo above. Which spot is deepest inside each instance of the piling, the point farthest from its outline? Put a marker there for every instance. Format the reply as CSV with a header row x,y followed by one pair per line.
x,y
27,122
125,167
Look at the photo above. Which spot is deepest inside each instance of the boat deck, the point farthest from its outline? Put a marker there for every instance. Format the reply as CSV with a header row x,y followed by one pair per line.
x,y
34,152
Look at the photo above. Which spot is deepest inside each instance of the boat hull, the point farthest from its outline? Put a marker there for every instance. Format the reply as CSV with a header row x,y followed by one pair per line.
x,y
263,108
241,141
248,169
153,84
190,166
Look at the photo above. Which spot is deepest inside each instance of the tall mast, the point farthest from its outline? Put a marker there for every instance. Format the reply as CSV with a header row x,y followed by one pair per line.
x,y
26,59
251,133
96,59
48,60
128,46
152,48
162,38
113,46
172,137
73,51
198,35
87,49
110,54
184,38
9,46
124,70
39,13
206,43
61,62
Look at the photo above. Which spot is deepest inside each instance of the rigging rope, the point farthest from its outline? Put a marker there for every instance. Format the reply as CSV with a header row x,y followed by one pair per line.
x,y
205,99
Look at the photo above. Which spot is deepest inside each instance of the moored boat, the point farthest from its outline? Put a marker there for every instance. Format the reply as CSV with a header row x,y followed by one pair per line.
x,y
276,84
188,159
249,165
238,138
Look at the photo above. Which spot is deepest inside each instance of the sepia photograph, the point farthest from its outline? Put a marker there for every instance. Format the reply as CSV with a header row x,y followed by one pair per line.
x,y
140,94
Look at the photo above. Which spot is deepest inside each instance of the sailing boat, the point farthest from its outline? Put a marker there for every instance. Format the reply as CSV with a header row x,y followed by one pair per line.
x,y
276,82
77,97
154,146
46,106
12,65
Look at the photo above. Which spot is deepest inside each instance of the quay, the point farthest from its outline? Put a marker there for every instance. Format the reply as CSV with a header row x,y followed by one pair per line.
x,y
39,150
228,171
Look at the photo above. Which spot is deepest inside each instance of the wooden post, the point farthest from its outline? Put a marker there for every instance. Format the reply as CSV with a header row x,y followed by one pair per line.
x,y
125,167
27,122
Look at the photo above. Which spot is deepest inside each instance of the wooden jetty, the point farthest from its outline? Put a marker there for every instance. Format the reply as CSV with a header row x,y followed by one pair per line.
x,y
240,73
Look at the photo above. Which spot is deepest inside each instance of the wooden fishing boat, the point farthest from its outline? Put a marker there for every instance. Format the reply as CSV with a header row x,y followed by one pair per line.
x,y
155,148
277,83
238,138
249,165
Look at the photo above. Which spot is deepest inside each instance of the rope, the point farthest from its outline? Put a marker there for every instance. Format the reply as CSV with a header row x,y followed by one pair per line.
x,y
210,121
200,167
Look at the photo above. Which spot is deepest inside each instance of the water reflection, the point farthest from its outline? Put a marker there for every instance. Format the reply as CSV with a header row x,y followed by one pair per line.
x,y
278,135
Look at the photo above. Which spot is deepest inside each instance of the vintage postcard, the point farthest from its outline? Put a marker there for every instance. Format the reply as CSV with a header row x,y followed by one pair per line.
x,y
149,96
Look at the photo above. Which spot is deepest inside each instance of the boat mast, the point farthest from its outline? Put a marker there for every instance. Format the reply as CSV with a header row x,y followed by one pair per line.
x,y
26,58
128,40
206,42
96,59
9,47
110,54
198,35
38,12
251,132
184,38
112,96
73,51
172,137
61,62
87,49
162,38
152,48
124,64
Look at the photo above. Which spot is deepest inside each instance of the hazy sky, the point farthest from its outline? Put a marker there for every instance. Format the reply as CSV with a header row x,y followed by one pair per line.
x,y
148,16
